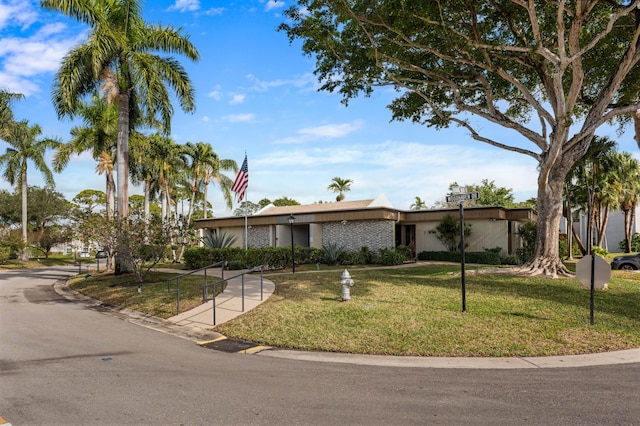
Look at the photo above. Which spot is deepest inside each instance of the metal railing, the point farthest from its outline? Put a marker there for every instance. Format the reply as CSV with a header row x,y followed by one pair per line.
x,y
176,280
209,290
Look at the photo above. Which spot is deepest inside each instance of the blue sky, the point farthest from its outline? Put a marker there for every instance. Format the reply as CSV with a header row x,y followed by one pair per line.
x,y
257,93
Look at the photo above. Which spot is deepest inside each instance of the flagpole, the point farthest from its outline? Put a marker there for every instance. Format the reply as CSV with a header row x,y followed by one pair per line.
x,y
240,187
246,229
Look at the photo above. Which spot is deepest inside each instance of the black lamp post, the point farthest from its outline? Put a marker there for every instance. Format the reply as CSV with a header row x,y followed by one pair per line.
x,y
293,258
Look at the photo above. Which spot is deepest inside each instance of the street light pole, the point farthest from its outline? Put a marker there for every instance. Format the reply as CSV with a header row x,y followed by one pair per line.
x,y
292,219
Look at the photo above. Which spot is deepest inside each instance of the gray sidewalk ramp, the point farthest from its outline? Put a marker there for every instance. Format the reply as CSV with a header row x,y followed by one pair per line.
x,y
229,303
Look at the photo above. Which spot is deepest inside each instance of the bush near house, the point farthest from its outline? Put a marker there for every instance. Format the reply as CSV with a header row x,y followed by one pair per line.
x,y
274,258
481,257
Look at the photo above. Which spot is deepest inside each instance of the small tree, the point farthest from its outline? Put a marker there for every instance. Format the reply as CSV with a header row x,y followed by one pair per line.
x,y
142,244
47,238
448,232
527,232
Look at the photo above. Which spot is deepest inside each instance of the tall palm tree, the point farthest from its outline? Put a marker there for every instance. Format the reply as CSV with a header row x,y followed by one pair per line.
x,y
167,159
204,166
98,134
25,146
628,172
6,114
119,55
340,186
144,170
589,179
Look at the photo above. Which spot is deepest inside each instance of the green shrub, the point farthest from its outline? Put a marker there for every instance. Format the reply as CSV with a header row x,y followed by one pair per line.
x,y
510,260
635,243
599,251
218,239
235,265
332,253
527,232
482,257
448,232
390,257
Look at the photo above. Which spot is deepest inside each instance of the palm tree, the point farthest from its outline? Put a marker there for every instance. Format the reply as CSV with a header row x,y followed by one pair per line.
x,y
419,204
340,186
628,172
589,179
118,55
25,146
167,159
6,115
204,166
144,170
98,134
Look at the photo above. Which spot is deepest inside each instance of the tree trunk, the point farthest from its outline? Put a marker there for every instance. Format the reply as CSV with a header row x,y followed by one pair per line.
x,y
147,198
123,155
602,226
546,259
569,229
581,246
110,195
23,182
189,214
627,229
122,164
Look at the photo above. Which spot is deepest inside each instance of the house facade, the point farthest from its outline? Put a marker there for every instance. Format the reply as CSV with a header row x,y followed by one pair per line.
x,y
372,223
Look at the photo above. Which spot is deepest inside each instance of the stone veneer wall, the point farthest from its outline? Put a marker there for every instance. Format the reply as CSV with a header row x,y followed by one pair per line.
x,y
356,234
259,236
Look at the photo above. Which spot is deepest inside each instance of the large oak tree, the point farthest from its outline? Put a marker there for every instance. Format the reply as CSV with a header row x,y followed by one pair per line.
x,y
550,71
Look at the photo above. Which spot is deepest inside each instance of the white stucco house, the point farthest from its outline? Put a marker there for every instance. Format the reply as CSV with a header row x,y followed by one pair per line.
x,y
373,223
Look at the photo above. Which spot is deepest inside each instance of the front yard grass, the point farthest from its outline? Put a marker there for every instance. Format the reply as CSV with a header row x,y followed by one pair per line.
x,y
412,311
417,311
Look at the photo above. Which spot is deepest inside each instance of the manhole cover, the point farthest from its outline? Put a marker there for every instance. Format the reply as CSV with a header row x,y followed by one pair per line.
x,y
229,345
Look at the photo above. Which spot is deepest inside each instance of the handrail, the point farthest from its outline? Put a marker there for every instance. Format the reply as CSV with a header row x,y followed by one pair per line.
x,y
176,290
205,289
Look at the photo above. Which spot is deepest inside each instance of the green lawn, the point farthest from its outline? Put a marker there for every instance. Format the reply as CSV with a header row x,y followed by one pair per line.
x,y
417,311
412,311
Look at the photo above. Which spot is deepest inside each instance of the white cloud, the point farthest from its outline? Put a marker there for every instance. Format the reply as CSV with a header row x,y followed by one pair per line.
x,y
237,99
186,5
327,131
239,118
399,169
273,5
214,11
215,93
205,119
18,56
17,84
306,81
20,12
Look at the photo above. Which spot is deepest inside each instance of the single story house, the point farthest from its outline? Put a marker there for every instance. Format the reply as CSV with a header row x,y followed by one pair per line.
x,y
374,223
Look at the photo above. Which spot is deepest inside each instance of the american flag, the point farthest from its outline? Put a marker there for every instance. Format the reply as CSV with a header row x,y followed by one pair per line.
x,y
242,180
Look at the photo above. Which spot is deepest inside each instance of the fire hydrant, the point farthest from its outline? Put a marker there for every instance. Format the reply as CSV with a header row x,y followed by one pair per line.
x,y
346,282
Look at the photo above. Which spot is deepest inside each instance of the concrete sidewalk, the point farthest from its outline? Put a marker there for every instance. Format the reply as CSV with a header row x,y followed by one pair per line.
x,y
228,304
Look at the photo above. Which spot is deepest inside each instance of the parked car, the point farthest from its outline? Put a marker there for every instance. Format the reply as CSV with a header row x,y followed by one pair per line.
x,y
84,254
101,254
626,263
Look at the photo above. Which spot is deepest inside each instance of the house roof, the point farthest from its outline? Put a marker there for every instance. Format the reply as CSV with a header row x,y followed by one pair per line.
x,y
380,201
378,208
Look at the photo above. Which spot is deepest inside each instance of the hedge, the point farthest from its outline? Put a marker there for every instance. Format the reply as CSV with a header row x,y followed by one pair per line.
x,y
482,257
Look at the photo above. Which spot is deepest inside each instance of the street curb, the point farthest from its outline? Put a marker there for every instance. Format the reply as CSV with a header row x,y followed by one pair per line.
x,y
204,337
193,334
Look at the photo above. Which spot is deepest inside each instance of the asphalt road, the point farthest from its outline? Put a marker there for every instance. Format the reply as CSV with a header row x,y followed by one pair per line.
x,y
64,363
